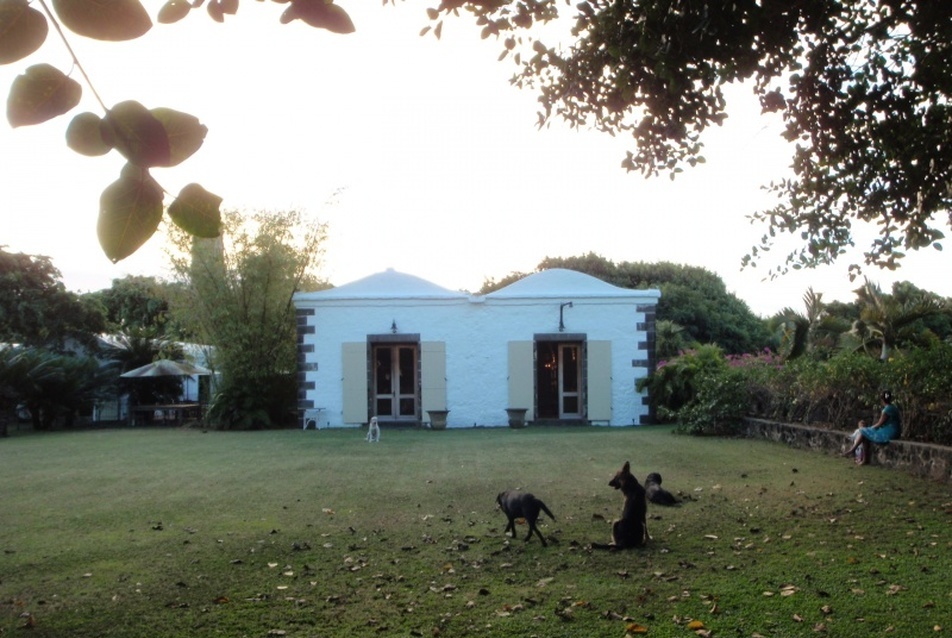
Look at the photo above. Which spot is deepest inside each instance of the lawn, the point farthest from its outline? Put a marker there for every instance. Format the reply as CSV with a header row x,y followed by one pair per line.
x,y
182,533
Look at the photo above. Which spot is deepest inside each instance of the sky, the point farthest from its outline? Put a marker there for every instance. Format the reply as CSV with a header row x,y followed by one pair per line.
x,y
416,152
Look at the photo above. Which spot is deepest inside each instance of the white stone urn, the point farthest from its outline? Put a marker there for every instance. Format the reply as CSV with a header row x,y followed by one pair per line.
x,y
517,417
438,419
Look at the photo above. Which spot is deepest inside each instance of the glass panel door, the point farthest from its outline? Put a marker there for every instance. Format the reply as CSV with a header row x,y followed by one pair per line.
x,y
407,382
395,381
569,382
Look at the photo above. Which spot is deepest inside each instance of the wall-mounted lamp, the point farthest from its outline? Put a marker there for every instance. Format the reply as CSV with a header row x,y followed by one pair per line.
x,y
393,326
561,322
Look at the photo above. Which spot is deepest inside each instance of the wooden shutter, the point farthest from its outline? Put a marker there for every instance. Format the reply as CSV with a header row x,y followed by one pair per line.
x,y
599,391
355,382
433,375
521,378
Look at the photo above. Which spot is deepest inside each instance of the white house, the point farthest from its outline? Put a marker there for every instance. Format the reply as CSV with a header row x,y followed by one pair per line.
x,y
561,345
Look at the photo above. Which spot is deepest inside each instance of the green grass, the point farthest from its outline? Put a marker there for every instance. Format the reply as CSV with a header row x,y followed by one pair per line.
x,y
165,532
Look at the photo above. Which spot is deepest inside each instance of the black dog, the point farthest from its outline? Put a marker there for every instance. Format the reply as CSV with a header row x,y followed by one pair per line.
x,y
631,530
657,494
522,505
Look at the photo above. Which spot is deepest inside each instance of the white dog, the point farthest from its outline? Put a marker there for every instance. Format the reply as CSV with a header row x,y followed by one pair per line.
x,y
373,432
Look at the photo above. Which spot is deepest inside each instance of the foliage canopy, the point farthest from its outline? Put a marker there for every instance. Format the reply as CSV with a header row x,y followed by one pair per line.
x,y
37,310
863,87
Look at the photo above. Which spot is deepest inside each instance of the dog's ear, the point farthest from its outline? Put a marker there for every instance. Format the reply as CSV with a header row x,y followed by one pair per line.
x,y
626,468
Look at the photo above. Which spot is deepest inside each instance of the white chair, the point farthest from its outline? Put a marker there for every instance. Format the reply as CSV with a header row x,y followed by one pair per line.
x,y
313,416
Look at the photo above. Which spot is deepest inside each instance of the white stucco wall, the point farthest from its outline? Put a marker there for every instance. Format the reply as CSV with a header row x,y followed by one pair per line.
x,y
476,332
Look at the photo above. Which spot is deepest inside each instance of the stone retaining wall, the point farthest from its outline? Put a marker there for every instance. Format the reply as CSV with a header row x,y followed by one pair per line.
x,y
919,459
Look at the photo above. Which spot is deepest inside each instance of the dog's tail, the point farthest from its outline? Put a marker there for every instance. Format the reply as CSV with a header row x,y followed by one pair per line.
x,y
545,509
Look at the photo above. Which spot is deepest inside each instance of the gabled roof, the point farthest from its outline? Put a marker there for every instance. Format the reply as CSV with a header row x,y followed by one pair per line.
x,y
561,282
388,284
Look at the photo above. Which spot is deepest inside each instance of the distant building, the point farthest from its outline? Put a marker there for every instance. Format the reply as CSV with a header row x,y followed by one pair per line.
x,y
561,345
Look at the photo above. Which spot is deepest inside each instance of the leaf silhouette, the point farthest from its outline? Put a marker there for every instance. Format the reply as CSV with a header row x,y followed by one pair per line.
x,y
197,211
112,20
24,30
41,93
130,210
85,135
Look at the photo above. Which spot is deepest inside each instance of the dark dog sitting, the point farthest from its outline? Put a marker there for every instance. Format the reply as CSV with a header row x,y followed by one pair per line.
x,y
522,505
631,530
657,494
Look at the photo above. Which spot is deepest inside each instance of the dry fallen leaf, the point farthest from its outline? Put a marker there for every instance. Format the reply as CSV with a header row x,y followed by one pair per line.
x,y
694,625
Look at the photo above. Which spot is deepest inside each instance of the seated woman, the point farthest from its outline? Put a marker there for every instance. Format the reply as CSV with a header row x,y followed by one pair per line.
x,y
887,428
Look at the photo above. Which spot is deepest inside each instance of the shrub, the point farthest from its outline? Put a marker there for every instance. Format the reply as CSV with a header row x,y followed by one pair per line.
x,y
721,402
921,381
675,383
708,393
253,402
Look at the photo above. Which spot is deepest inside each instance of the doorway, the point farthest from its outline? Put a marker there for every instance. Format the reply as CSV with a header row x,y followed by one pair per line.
x,y
558,380
395,381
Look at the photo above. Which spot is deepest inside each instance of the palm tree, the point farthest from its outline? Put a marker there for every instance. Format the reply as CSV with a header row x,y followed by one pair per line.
x,y
51,385
813,332
670,339
887,320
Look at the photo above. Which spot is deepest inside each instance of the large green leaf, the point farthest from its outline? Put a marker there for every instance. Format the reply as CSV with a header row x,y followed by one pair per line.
x,y
84,135
319,13
23,30
197,211
104,19
185,134
137,134
130,210
41,93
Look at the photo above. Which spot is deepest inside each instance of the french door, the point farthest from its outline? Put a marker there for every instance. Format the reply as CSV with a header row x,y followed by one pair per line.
x,y
558,380
395,381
